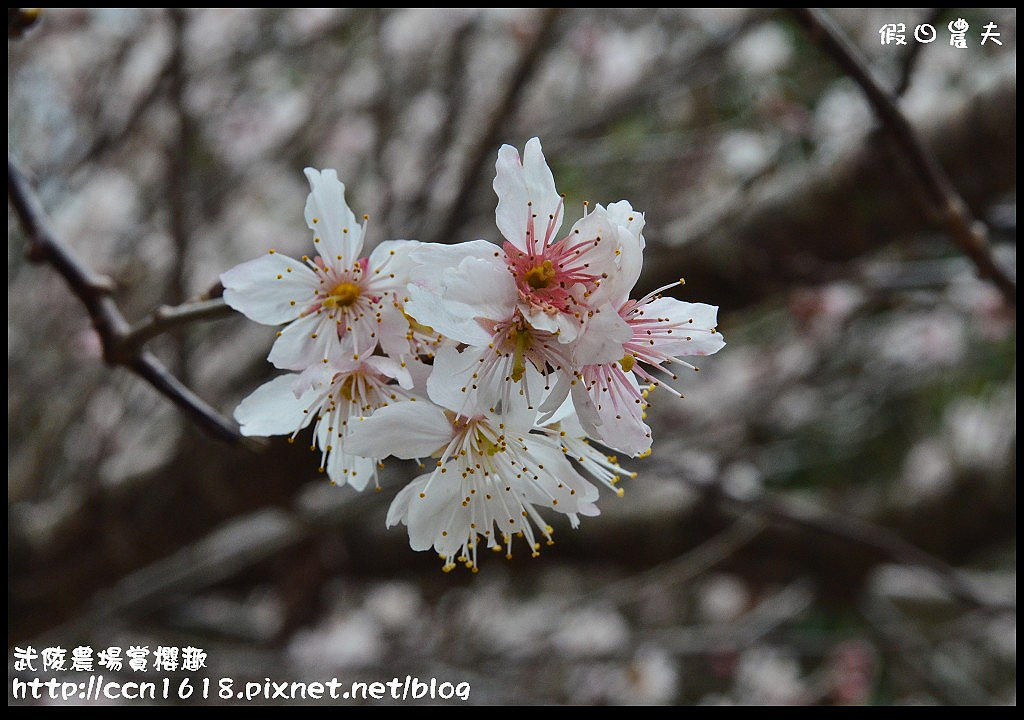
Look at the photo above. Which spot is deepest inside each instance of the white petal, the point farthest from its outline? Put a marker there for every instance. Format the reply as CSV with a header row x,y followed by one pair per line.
x,y
438,510
603,252
586,410
430,260
315,377
697,320
631,249
621,425
390,265
399,510
474,291
420,373
452,320
484,285
564,325
272,289
450,385
411,429
273,408
603,336
563,488
344,468
391,368
296,348
557,406
335,224
393,331
622,213
525,187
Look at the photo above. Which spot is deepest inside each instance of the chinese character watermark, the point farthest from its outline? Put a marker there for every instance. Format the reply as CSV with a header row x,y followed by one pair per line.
x,y
925,33
990,34
958,33
893,33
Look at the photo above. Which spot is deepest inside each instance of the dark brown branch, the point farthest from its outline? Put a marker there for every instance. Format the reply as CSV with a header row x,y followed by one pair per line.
x,y
967,232
170,317
95,293
914,53
483,143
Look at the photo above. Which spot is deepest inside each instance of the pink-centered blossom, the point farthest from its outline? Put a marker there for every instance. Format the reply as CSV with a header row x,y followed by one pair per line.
x,y
611,395
524,304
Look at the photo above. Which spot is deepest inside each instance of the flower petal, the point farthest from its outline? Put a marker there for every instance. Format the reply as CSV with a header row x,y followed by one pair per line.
x,y
603,337
344,468
430,260
274,409
308,340
451,383
526,190
692,323
438,511
556,484
398,512
271,289
389,266
614,400
631,247
411,429
335,229
474,291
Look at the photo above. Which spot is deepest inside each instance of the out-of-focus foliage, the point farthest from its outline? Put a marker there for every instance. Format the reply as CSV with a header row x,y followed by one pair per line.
x,y
869,372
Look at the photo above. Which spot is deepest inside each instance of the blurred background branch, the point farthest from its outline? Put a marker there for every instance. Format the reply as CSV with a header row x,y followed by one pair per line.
x,y
967,232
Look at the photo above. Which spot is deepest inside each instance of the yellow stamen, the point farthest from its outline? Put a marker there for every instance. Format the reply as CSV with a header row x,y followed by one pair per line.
x,y
344,294
540,276
522,339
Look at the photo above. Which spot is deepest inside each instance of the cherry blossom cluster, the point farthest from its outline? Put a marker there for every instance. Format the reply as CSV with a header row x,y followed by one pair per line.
x,y
506,370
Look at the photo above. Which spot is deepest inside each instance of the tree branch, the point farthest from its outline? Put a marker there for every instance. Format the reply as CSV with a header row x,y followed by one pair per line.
x,y
913,53
967,232
170,317
95,293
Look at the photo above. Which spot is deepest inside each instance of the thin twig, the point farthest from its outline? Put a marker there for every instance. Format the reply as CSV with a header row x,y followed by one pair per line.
x,y
170,317
95,293
967,232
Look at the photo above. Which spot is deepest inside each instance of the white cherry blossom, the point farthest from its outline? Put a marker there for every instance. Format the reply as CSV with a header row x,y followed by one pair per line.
x,y
490,476
327,397
336,303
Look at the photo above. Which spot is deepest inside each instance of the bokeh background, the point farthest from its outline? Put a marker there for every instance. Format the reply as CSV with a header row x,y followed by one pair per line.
x,y
794,536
